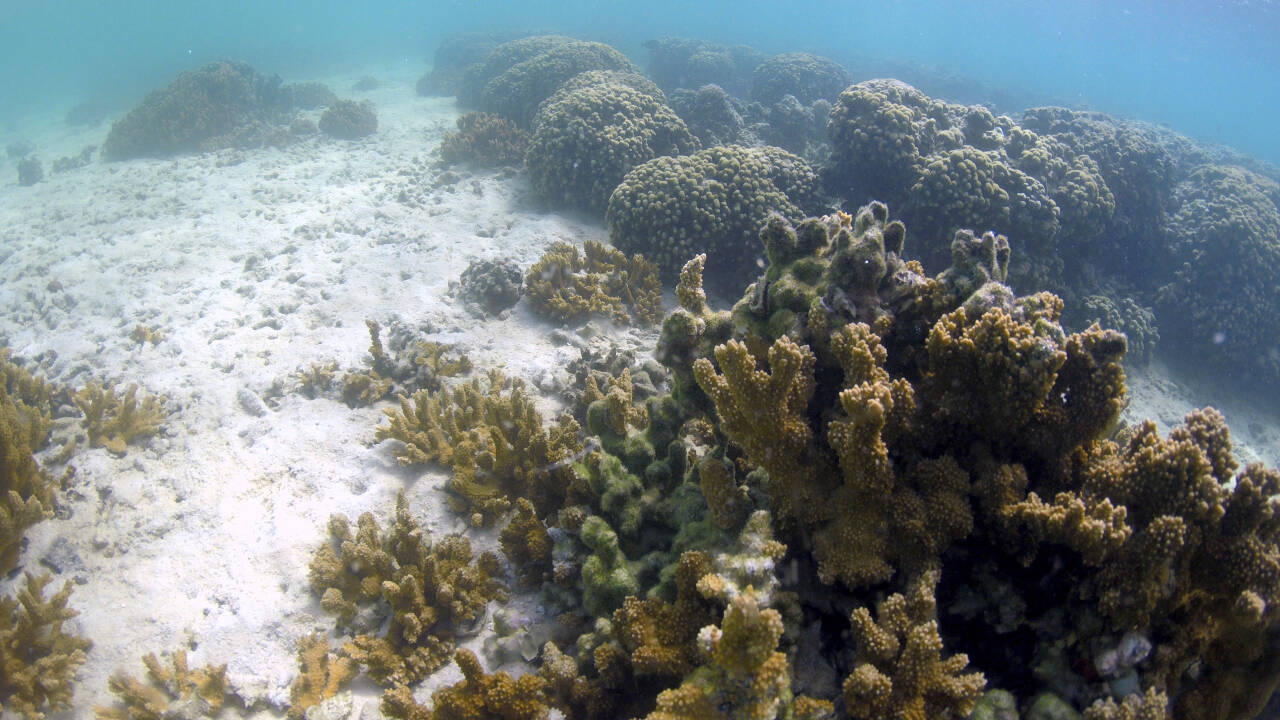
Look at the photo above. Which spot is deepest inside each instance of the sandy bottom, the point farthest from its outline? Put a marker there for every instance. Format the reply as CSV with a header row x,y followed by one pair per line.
x,y
254,264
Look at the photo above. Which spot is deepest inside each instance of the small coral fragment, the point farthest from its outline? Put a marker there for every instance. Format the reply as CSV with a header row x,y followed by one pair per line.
x,y
321,674
200,692
113,421
38,660
478,696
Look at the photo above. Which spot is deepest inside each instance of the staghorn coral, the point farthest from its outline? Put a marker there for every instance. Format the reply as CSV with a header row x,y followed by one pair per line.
x,y
804,76
567,286
180,690
478,696
659,636
484,140
321,674
26,494
518,91
713,202
39,659
586,139
430,589
899,671
492,436
745,676
361,388
349,120
113,421
1152,705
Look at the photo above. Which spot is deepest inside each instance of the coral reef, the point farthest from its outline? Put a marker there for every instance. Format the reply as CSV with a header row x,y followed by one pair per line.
x,y
687,63
714,116
484,140
195,110
586,139
431,591
568,287
39,659
478,696
490,285
517,92
349,120
114,421
713,201
802,75
179,691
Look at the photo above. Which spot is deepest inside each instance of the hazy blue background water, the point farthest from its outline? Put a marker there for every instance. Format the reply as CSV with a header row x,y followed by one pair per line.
x,y
1208,69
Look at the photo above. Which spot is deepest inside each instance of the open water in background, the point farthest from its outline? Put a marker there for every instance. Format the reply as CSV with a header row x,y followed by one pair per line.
x,y
1208,69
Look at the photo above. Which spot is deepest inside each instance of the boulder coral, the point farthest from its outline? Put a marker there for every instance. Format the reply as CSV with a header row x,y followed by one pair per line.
x,y
713,201
519,90
585,140
804,76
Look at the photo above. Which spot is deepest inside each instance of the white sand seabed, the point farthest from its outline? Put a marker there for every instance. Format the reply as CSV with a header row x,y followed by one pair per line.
x,y
254,264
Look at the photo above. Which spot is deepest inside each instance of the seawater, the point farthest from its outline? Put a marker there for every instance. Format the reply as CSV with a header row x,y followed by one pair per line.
x,y
1207,69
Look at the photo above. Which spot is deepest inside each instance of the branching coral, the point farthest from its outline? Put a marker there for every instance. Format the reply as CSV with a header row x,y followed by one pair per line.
x,y
478,696
113,421
484,140
26,495
194,693
526,544
660,636
568,287
899,671
430,589
39,659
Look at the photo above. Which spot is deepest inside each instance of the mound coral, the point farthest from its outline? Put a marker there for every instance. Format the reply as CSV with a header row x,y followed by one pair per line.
x,y
517,92
676,62
194,110
454,55
349,120
476,76
490,285
713,201
568,287
586,139
947,167
804,76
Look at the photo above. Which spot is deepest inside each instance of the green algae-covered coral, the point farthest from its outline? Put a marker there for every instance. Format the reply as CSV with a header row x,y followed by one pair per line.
x,y
492,437
430,589
586,139
113,421
569,286
606,577
478,696
39,659
899,670
517,92
177,690
484,140
713,201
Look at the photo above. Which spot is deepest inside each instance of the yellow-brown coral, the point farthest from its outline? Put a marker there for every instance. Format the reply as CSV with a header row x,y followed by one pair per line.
x,y
321,674
38,660
202,691
26,495
568,287
113,421
478,696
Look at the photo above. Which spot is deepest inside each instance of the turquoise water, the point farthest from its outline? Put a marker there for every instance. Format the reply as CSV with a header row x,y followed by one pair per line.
x,y
1208,69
